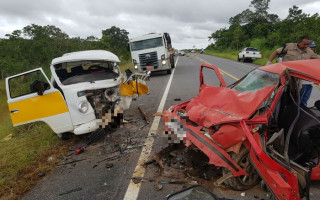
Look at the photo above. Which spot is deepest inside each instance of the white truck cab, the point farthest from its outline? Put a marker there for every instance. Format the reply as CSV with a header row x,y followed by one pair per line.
x,y
82,95
152,52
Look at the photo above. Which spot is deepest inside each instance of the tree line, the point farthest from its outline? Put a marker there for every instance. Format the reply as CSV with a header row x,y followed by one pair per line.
x,y
258,28
35,46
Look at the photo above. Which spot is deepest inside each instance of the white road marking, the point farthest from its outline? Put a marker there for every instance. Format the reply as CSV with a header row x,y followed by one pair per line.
x,y
133,189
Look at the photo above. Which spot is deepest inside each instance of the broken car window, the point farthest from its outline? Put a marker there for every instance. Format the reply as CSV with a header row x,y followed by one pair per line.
x,y
256,80
86,71
22,85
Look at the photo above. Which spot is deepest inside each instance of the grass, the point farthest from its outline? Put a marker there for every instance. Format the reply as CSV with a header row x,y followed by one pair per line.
x,y
233,55
126,65
25,150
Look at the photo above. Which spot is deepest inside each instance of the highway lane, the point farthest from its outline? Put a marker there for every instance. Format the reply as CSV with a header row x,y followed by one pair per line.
x,y
89,179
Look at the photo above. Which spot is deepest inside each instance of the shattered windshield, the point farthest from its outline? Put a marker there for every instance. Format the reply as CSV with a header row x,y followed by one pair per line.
x,y
256,80
86,71
146,44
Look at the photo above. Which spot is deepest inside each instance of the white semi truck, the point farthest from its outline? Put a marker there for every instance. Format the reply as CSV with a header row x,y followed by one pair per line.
x,y
152,52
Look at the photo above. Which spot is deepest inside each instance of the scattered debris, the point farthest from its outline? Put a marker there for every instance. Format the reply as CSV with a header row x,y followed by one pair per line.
x,y
66,163
158,187
177,99
144,115
50,158
173,154
137,180
70,191
41,174
79,150
84,145
268,195
92,138
243,194
7,138
149,163
112,157
94,166
158,160
172,182
134,147
205,176
157,114
109,165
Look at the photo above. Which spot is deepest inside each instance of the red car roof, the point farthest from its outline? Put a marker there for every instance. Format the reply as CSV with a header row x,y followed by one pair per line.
x,y
309,67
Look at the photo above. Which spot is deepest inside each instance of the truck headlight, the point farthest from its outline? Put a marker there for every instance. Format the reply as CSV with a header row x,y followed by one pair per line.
x,y
164,62
83,106
135,66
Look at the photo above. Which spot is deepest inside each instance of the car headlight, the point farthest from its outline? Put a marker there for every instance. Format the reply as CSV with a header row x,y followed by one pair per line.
x,y
164,62
83,106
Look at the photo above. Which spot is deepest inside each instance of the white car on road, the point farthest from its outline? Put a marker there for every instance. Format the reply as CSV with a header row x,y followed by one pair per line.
x,y
249,53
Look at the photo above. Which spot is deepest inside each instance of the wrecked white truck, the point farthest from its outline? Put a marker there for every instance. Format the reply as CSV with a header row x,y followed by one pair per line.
x,y
82,95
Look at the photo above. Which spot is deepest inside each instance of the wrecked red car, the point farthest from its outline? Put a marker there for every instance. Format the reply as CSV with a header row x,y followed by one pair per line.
x,y
255,128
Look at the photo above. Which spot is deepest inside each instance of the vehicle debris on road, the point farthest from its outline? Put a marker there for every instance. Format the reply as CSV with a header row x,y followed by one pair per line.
x,y
146,118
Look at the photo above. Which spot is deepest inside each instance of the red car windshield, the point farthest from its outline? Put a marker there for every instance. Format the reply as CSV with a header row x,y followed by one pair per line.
x,y
256,80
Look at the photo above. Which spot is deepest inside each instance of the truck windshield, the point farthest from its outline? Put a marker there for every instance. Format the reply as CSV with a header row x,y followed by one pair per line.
x,y
146,44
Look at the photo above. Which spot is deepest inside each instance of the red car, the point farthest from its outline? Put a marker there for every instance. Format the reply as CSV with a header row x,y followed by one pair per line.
x,y
255,128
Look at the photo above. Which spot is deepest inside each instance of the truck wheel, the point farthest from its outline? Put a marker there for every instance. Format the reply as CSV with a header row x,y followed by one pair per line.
x,y
172,61
239,58
169,71
243,182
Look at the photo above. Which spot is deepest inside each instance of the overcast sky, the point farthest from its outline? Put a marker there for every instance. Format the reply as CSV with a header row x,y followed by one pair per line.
x,y
189,22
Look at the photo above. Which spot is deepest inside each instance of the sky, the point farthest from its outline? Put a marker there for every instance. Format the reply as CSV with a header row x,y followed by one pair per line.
x,y
189,22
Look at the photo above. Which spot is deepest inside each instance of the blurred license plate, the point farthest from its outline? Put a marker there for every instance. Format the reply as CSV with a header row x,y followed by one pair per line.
x,y
149,67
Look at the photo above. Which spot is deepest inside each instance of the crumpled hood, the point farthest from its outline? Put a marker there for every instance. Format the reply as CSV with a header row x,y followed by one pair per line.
x,y
218,105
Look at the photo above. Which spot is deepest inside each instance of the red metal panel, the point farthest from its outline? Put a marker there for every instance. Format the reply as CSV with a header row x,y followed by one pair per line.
x,y
218,105
282,182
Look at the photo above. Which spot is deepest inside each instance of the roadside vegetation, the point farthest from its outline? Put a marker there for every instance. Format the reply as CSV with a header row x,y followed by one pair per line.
x,y
233,55
255,27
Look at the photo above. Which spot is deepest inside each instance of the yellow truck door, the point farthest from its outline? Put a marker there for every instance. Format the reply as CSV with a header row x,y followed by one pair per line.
x,y
31,98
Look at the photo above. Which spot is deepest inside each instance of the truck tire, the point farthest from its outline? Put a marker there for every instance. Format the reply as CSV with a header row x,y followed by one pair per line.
x,y
169,71
172,61
243,182
239,58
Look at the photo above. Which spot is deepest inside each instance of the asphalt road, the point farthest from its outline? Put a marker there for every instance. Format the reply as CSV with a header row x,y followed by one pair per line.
x,y
105,169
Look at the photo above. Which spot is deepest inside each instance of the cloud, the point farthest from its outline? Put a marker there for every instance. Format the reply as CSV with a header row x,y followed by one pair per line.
x,y
189,22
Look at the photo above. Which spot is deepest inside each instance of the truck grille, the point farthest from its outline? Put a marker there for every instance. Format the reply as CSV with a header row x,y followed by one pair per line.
x,y
148,59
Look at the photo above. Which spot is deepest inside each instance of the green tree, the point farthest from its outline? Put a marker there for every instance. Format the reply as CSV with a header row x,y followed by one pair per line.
x,y
116,40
